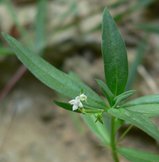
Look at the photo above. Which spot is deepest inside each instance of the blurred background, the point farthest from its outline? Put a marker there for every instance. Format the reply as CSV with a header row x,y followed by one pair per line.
x,y
68,35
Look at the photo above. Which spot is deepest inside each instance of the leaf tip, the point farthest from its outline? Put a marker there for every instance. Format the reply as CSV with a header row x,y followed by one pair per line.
x,y
106,12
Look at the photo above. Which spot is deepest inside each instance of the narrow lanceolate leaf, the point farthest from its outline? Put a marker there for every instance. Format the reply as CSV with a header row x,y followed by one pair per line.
x,y
66,106
51,76
151,28
138,120
149,110
149,99
114,55
106,91
99,129
138,156
147,105
122,97
40,25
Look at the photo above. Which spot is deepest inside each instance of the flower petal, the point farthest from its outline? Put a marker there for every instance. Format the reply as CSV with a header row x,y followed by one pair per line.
x,y
74,107
72,102
80,104
83,97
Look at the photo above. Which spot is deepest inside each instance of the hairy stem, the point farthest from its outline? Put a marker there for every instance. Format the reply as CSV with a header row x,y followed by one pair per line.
x,y
113,140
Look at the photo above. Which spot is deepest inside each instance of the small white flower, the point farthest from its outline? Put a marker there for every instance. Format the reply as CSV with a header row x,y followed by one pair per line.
x,y
77,102
83,97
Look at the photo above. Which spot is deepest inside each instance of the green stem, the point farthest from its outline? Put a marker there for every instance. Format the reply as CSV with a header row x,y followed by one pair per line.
x,y
113,140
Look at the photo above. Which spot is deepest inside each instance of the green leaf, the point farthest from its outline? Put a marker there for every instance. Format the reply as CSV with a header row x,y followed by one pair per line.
x,y
98,128
151,28
138,120
51,76
122,97
66,106
40,25
149,99
147,105
106,91
149,110
114,55
138,156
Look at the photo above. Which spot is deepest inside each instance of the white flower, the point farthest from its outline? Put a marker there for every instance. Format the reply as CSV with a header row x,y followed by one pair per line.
x,y
83,97
77,102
